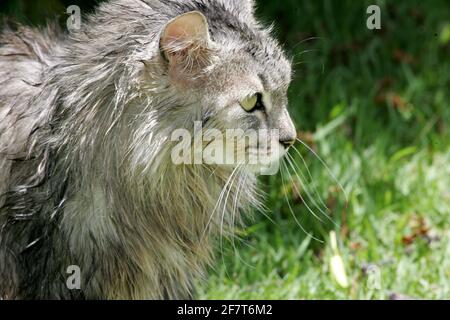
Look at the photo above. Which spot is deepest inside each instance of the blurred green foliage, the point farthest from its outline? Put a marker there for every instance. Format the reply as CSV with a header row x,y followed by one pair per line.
x,y
374,104
35,12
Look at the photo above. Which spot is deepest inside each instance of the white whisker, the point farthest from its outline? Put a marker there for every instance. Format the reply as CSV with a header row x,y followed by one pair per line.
x,y
225,203
219,200
234,211
301,197
309,175
326,167
303,185
292,211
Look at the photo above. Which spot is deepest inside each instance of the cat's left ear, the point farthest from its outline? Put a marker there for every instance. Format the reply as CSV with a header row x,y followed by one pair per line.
x,y
186,39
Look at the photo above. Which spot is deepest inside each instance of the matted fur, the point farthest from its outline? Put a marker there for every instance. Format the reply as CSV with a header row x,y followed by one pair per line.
x,y
85,171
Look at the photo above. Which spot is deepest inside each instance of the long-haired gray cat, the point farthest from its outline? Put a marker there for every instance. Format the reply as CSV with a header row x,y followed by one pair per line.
x,y
86,175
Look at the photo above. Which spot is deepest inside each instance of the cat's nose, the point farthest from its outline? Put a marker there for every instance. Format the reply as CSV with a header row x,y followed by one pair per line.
x,y
287,142
287,132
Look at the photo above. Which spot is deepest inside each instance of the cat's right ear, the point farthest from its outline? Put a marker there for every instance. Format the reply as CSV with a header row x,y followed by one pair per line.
x,y
185,39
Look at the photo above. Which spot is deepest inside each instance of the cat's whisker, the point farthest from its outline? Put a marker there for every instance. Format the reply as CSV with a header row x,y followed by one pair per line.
x,y
299,192
304,186
234,212
262,208
298,63
218,202
309,175
304,51
310,197
225,202
326,168
292,211
225,205
306,40
296,55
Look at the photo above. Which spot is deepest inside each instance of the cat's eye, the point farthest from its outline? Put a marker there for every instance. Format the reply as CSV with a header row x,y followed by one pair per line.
x,y
252,103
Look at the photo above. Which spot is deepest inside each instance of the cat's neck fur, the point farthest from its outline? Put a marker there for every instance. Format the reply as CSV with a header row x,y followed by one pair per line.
x,y
165,227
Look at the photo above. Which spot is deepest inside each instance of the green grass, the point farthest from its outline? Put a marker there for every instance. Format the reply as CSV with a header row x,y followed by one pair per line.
x,y
387,198
375,106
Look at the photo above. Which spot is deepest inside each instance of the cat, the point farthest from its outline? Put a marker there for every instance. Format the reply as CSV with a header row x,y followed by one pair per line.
x,y
86,118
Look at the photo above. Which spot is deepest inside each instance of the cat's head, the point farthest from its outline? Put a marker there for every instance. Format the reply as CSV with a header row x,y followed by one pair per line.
x,y
233,78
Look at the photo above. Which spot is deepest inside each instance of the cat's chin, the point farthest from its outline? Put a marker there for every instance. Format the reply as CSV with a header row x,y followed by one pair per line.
x,y
264,169
263,165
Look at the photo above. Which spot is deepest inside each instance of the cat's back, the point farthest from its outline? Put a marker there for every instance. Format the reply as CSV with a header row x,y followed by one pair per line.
x,y
25,56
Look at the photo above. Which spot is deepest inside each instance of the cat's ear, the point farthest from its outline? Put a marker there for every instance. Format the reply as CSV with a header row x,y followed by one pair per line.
x,y
185,37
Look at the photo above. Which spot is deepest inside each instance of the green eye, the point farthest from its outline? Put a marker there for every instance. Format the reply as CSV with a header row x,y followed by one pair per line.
x,y
249,103
252,103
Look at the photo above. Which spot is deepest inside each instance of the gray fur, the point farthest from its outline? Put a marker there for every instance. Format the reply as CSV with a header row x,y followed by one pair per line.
x,y
85,171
